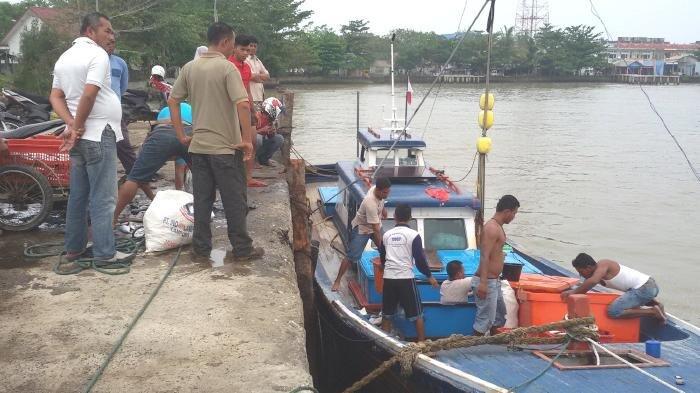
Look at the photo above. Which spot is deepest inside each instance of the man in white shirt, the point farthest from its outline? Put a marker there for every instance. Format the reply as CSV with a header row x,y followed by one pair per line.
x,y
259,75
457,288
82,96
401,249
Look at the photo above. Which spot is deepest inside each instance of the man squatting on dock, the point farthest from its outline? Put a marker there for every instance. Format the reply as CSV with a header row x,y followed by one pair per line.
x,y
486,283
402,246
639,289
366,225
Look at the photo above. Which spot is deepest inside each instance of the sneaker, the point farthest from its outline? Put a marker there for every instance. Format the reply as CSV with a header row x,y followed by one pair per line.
x,y
74,256
255,253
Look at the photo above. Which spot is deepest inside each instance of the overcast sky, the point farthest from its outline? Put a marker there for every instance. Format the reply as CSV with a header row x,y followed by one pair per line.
x,y
677,21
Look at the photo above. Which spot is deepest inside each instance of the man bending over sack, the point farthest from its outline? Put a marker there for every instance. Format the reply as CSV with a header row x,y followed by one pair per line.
x,y
160,145
639,289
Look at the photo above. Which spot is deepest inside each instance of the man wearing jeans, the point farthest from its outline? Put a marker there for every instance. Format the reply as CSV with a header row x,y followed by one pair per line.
x,y
81,95
639,289
220,143
486,283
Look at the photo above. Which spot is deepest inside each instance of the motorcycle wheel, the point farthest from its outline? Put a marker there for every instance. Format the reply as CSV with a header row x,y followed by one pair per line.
x,y
10,124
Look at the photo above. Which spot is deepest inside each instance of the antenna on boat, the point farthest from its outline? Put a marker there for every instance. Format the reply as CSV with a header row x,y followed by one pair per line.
x,y
485,121
394,121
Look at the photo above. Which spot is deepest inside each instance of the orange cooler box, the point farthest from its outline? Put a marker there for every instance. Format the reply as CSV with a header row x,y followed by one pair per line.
x,y
538,308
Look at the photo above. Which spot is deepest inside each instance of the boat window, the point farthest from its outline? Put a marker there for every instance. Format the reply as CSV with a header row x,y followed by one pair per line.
x,y
390,223
407,157
381,154
445,234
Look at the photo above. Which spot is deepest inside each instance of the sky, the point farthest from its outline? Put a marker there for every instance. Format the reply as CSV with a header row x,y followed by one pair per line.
x,y
678,21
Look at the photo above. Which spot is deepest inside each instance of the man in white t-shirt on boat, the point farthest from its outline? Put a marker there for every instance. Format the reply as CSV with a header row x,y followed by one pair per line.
x,y
456,288
639,289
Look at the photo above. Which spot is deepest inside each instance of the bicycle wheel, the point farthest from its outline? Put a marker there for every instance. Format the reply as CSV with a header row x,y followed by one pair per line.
x,y
26,198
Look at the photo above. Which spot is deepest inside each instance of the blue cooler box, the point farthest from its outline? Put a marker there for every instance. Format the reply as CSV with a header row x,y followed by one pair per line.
x,y
440,320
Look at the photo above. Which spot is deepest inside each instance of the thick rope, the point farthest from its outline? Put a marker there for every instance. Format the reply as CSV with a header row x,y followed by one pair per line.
x,y
576,329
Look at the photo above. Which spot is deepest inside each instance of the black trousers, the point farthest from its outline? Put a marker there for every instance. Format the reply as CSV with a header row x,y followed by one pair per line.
x,y
225,172
125,151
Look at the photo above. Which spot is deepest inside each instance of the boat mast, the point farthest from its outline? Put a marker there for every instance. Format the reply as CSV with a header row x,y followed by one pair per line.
x,y
394,122
485,121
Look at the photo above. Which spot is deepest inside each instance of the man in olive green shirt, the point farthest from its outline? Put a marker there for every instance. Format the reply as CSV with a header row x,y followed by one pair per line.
x,y
221,110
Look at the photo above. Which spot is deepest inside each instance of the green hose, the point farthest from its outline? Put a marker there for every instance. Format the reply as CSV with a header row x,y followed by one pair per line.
x,y
120,341
127,245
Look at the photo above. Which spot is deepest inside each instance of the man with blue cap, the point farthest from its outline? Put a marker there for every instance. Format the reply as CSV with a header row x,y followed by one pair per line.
x,y
160,146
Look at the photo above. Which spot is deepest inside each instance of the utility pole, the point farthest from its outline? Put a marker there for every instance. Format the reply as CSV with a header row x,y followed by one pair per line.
x,y
97,5
216,13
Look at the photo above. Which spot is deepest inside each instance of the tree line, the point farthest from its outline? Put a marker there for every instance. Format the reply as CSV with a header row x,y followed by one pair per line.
x,y
167,32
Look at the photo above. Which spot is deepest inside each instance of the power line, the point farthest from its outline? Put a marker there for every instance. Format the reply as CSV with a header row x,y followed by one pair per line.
x,y
595,13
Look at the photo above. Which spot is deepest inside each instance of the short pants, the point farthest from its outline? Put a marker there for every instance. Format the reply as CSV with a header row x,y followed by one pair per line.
x,y
634,298
357,245
491,311
401,291
159,147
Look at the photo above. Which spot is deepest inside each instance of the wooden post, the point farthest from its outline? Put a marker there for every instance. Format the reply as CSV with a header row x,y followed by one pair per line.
x,y
285,124
303,262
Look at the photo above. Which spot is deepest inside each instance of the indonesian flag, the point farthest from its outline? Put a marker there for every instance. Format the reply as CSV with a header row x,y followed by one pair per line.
x,y
409,92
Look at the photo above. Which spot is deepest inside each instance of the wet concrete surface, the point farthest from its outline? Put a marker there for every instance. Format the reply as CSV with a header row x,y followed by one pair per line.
x,y
216,326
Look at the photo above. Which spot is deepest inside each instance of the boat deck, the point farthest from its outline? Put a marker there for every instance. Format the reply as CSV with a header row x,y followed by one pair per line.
x,y
488,363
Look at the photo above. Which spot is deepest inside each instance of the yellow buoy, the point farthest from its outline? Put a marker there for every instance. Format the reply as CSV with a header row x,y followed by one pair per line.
x,y
483,145
482,101
489,119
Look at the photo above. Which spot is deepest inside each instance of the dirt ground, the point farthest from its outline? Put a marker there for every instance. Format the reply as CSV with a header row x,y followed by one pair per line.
x,y
237,327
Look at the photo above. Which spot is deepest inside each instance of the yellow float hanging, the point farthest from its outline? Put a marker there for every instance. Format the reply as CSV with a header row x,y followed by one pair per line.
x,y
482,101
489,119
483,145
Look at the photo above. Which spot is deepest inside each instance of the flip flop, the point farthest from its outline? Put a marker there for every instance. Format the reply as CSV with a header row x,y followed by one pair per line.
x,y
256,183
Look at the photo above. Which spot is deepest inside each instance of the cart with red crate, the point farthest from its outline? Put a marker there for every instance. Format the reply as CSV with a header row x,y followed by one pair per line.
x,y
33,173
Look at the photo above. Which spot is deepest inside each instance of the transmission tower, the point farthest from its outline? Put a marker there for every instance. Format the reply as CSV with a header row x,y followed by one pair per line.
x,y
530,16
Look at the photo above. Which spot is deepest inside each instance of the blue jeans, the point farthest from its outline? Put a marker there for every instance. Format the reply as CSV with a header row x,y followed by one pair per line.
x,y
357,244
93,190
634,298
491,311
267,146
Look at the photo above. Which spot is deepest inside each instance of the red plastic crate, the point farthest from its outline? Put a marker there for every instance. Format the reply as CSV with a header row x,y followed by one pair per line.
x,y
41,153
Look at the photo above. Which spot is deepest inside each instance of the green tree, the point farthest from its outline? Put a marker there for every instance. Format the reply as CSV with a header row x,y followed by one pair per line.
x,y
357,36
329,48
274,23
584,48
40,50
417,50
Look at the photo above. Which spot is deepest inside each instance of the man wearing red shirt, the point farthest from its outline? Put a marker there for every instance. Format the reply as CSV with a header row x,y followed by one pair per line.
x,y
240,54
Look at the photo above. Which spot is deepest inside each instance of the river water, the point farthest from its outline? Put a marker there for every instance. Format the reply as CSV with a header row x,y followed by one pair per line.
x,y
592,166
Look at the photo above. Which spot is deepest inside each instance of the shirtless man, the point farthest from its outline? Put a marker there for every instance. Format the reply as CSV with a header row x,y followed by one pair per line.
x,y
486,284
639,289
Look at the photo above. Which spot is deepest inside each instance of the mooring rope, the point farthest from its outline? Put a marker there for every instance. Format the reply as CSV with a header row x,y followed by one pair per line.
x,y
576,329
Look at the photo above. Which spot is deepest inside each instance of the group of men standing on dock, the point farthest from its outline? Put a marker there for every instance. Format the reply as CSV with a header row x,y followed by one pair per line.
x,y
223,85
401,248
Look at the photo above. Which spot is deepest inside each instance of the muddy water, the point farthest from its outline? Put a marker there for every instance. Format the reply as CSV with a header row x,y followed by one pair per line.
x,y
591,165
